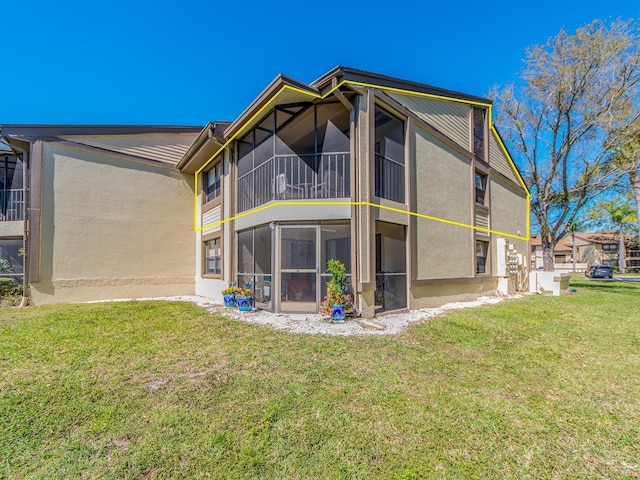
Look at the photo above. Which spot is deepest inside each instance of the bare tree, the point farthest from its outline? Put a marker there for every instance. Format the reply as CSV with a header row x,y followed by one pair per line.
x,y
567,117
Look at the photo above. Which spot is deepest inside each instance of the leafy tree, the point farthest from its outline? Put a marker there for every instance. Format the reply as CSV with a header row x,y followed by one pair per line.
x,y
566,119
627,157
619,214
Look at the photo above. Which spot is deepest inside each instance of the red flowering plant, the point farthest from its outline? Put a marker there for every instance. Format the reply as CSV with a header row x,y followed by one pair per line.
x,y
337,289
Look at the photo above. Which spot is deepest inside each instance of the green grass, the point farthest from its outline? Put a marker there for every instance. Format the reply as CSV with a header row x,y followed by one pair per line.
x,y
539,387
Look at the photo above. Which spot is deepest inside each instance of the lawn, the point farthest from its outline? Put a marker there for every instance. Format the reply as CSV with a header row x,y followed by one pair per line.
x,y
538,387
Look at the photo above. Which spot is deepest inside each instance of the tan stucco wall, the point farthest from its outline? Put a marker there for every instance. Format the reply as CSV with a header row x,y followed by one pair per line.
x,y
508,214
443,190
112,228
12,229
429,296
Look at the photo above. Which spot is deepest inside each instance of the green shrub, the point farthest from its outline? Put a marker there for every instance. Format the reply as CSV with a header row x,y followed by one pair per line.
x,y
7,286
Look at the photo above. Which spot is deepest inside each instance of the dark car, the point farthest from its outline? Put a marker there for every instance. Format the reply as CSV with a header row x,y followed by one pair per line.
x,y
599,271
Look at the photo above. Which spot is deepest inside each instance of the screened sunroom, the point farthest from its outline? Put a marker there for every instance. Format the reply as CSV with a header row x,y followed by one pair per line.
x,y
298,151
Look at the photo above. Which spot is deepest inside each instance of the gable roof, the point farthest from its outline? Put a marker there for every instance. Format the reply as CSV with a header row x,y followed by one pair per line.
x,y
162,145
286,90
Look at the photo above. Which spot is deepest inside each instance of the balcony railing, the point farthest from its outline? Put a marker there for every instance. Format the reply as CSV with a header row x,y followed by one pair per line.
x,y
11,205
288,177
389,179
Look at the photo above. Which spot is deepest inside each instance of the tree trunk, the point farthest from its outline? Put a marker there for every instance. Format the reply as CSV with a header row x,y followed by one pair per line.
x,y
547,254
573,250
622,254
634,179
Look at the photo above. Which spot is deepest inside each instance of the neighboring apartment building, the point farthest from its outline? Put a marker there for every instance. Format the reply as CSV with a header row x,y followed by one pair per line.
x,y
597,248
106,212
408,185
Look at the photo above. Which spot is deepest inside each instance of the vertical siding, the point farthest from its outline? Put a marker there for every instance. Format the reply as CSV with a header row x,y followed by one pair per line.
x,y
450,118
499,161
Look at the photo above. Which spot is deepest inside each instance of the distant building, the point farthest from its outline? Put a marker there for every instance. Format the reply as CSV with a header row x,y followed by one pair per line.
x,y
598,248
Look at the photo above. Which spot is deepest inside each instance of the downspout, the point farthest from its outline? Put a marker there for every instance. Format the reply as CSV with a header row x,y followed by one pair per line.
x,y
25,237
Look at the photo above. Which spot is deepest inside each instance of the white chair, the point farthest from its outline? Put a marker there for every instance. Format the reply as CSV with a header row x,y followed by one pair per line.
x,y
282,190
331,186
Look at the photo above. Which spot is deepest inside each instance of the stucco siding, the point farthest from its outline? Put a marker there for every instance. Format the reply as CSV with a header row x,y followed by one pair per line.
x,y
508,213
450,118
12,229
112,229
429,296
442,190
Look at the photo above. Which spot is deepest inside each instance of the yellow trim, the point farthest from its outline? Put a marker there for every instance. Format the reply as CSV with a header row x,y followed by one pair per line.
x,y
290,203
520,179
419,215
417,94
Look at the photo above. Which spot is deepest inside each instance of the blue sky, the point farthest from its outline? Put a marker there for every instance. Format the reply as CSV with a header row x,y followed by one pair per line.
x,y
188,62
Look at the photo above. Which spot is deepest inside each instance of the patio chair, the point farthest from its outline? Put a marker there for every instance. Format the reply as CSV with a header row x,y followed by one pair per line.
x,y
282,189
331,186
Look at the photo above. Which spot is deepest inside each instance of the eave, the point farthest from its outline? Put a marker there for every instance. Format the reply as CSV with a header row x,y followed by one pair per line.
x,y
281,91
205,146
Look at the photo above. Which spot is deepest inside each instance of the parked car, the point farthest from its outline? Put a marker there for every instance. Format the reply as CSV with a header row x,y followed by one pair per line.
x,y
599,271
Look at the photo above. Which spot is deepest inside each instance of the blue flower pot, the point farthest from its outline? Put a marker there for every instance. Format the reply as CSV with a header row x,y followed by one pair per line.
x,y
229,300
244,303
338,313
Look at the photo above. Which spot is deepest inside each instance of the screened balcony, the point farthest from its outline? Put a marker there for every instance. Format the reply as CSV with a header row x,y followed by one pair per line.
x,y
389,157
293,177
11,205
389,179
297,152
11,189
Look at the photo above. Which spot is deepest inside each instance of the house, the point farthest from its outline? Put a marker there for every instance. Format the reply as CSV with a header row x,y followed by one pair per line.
x,y
409,185
106,213
595,248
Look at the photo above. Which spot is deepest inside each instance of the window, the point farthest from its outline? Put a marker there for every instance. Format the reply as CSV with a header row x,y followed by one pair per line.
x,y
610,248
479,121
481,256
212,257
481,187
213,182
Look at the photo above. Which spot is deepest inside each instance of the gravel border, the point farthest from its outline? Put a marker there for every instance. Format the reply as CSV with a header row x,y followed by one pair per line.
x,y
388,324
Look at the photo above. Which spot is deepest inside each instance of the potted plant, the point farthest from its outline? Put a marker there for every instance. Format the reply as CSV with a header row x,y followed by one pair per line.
x,y
244,299
297,286
229,295
338,300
